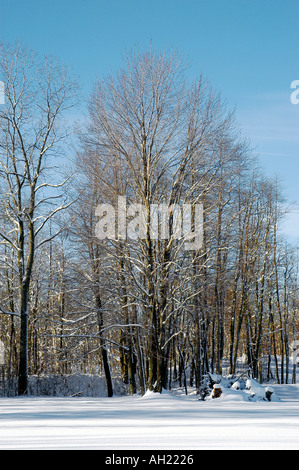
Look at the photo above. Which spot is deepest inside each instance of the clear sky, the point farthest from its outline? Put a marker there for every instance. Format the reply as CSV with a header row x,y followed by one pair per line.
x,y
248,49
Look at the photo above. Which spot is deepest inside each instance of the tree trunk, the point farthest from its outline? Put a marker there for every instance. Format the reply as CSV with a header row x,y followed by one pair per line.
x,y
103,348
23,362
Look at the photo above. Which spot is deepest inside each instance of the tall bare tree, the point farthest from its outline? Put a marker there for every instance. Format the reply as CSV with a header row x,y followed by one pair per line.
x,y
37,93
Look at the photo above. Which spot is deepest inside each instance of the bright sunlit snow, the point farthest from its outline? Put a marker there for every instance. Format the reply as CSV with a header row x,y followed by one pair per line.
x,y
167,421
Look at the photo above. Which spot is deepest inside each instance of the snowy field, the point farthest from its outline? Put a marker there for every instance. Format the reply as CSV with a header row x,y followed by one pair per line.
x,y
167,421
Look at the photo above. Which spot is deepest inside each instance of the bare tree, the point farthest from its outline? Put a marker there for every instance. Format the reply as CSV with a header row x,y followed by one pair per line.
x,y
161,138
37,93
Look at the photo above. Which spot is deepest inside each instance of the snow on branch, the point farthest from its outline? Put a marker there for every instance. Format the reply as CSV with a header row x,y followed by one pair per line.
x,y
4,312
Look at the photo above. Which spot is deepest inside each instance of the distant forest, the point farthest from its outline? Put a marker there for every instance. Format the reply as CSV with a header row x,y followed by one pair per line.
x,y
145,309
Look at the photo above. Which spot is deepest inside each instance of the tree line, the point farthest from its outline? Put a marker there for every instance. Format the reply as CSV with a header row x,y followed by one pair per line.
x,y
145,308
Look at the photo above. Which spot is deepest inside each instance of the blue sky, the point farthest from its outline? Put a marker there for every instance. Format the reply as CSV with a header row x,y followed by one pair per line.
x,y
248,49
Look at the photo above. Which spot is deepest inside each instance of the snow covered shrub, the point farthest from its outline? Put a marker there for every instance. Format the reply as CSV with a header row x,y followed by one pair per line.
x,y
238,390
236,385
205,387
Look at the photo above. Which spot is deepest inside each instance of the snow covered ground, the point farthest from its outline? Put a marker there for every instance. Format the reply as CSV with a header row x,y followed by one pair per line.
x,y
167,421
